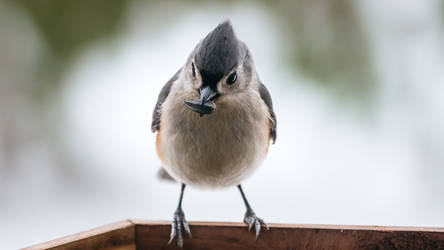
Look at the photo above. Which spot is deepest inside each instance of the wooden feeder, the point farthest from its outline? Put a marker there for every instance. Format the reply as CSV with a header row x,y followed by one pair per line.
x,y
139,234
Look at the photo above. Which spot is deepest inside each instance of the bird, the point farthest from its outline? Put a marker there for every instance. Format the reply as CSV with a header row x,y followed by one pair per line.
x,y
214,121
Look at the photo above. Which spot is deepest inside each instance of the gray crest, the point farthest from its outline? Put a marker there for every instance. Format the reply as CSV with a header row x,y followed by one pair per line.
x,y
218,53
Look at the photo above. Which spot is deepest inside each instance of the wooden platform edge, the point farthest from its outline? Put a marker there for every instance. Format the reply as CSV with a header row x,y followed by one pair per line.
x,y
141,222
133,233
122,232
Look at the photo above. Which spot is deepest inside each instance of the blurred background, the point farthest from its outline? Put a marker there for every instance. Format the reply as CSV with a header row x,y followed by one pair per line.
x,y
358,89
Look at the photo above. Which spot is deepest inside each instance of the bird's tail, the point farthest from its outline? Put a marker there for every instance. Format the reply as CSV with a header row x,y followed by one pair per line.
x,y
164,176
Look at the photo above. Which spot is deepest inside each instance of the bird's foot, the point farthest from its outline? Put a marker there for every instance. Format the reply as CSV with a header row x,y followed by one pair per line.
x,y
178,226
251,219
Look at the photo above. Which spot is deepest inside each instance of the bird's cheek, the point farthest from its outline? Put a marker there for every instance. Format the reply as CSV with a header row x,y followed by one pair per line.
x,y
223,89
195,84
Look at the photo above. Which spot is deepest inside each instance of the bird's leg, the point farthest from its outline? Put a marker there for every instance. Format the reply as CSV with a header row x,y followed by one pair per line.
x,y
179,223
250,217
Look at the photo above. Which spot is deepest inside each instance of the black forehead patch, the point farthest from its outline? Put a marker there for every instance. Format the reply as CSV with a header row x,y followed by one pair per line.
x,y
218,53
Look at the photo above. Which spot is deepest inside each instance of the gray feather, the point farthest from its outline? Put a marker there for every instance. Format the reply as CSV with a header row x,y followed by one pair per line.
x,y
155,125
265,95
163,175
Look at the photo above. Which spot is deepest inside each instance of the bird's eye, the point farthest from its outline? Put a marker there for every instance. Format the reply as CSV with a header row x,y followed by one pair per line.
x,y
232,78
192,68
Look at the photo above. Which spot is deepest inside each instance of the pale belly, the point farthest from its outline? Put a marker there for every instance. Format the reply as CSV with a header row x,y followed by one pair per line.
x,y
217,150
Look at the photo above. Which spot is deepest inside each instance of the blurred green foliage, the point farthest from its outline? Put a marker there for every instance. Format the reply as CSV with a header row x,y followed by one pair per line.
x,y
326,42
69,25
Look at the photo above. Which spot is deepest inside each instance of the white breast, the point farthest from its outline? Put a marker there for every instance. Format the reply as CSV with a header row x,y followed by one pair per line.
x,y
216,150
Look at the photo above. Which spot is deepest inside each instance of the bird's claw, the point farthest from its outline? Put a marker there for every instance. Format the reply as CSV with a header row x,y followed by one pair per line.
x,y
251,219
179,224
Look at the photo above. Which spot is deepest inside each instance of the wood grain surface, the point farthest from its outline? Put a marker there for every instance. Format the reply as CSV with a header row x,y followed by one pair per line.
x,y
140,234
119,235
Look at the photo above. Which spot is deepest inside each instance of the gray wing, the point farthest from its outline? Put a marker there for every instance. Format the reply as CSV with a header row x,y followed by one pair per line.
x,y
163,175
155,125
265,95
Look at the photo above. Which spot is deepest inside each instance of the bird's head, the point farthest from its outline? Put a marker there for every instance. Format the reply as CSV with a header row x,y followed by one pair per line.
x,y
220,65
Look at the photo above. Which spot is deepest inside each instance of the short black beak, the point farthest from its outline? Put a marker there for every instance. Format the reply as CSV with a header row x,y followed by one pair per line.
x,y
205,105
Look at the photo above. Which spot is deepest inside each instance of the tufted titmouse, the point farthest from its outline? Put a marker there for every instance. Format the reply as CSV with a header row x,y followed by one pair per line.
x,y
214,120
